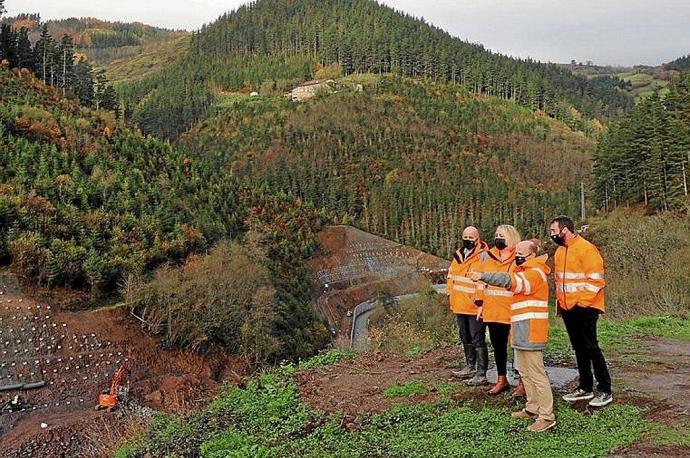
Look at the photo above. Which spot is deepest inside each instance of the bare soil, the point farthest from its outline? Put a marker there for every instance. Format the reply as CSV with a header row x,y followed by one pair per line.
x,y
654,378
76,354
356,387
352,265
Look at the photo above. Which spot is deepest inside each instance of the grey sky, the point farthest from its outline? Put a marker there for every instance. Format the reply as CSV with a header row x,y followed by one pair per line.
x,y
604,31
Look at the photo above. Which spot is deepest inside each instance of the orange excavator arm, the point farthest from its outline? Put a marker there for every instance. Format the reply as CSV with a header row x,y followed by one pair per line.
x,y
109,400
116,379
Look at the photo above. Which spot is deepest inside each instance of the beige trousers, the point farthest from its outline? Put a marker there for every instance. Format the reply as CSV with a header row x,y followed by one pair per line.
x,y
537,384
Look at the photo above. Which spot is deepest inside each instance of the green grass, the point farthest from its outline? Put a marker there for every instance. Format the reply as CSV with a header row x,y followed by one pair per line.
x,y
644,84
405,390
666,435
267,419
626,334
327,358
229,99
446,389
155,56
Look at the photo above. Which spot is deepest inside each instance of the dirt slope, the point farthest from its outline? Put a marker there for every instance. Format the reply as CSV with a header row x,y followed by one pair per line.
x,y
353,265
76,355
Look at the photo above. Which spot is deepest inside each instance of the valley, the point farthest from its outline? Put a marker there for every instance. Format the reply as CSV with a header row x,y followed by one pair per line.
x,y
253,221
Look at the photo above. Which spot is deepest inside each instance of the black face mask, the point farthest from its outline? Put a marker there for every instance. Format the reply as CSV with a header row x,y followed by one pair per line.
x,y
520,260
500,243
558,239
469,244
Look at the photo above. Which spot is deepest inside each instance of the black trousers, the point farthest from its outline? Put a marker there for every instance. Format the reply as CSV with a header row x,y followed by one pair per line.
x,y
581,324
472,332
499,333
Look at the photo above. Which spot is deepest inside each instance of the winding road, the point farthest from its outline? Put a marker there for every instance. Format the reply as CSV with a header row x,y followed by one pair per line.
x,y
362,312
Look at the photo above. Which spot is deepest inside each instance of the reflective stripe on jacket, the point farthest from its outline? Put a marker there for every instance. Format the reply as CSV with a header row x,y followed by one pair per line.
x,y
496,300
579,275
530,308
461,290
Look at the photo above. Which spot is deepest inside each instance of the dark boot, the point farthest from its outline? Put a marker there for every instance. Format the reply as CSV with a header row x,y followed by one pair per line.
x,y
470,363
482,365
500,386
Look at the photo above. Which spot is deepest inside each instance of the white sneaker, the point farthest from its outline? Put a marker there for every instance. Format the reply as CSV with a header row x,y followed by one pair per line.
x,y
578,395
601,400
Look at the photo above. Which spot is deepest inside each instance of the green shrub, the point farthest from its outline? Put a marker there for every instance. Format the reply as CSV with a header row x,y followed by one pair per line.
x,y
413,326
224,298
647,260
327,358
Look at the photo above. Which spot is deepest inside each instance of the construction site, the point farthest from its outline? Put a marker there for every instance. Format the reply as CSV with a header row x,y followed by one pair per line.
x,y
59,369
73,383
353,267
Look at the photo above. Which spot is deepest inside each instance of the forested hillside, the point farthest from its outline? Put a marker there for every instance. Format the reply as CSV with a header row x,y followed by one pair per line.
x,y
56,64
682,64
86,202
102,42
644,158
281,42
412,161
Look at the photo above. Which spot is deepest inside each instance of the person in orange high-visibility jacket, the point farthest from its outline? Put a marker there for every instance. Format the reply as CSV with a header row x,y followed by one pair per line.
x,y
495,302
579,274
461,292
529,317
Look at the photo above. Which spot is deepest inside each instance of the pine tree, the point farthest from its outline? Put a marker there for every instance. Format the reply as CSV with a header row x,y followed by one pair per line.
x,y
65,63
8,44
83,86
25,55
43,55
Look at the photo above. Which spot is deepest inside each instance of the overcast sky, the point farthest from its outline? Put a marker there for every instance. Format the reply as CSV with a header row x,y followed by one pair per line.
x,y
605,31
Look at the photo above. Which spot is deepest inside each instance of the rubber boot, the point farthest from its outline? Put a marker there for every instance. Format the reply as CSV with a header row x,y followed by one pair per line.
x,y
519,391
470,363
482,365
500,386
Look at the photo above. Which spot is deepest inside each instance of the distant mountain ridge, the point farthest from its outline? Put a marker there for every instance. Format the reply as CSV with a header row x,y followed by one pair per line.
x,y
100,41
282,42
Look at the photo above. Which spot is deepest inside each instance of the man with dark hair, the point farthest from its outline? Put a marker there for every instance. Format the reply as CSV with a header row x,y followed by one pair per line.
x,y
579,274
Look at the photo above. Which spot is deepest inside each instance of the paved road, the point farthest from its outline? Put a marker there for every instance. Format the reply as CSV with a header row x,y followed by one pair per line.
x,y
362,312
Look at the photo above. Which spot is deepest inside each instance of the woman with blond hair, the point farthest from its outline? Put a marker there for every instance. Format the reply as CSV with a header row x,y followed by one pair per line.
x,y
494,302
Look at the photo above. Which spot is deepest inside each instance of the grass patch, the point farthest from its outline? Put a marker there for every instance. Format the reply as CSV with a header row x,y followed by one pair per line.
x,y
666,435
266,419
625,334
446,429
405,390
154,57
446,389
415,351
327,358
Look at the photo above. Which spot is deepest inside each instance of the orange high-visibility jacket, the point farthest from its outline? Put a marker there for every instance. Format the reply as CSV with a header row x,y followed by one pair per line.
x,y
529,316
529,312
579,273
461,290
496,300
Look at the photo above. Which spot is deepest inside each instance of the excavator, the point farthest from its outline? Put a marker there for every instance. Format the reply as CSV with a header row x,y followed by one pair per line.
x,y
110,399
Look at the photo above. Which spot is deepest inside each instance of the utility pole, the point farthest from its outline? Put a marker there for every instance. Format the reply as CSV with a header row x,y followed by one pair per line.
x,y
582,201
685,179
